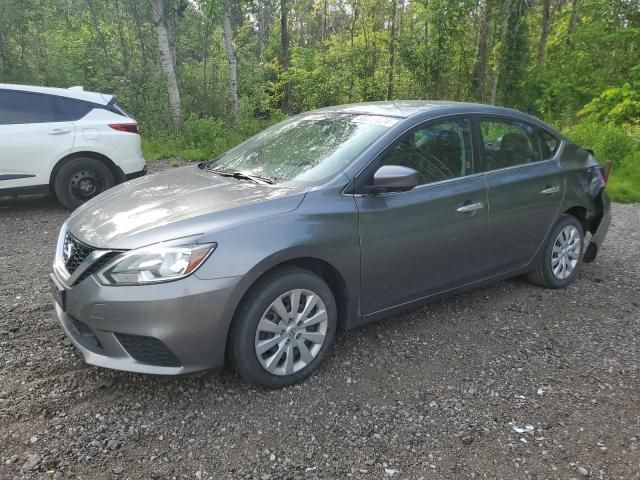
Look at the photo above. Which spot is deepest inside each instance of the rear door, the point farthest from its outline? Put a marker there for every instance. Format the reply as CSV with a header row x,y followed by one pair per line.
x,y
34,135
526,188
429,239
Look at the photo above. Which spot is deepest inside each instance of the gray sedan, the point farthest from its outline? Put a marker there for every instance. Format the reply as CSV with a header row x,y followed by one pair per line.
x,y
324,222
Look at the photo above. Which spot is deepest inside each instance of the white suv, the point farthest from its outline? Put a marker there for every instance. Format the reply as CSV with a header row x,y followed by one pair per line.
x,y
69,142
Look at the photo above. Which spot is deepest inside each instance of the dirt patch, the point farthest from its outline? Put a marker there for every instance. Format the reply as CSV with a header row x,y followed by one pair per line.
x,y
508,381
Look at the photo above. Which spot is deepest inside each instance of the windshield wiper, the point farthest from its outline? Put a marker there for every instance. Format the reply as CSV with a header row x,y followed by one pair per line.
x,y
243,176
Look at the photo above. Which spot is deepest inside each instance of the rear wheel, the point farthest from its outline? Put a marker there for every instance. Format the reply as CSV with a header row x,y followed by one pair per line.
x,y
283,329
561,255
81,179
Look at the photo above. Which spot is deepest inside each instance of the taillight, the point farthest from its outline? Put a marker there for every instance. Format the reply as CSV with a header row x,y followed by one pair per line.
x,y
125,127
606,172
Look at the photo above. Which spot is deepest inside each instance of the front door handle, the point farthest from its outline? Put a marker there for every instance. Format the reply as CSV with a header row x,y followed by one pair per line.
x,y
550,190
59,131
470,207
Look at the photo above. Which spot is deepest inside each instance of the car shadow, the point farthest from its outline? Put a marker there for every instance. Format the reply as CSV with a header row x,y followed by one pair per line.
x,y
42,203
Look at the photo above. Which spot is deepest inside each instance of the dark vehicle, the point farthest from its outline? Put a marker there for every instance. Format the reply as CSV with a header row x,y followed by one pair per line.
x,y
323,222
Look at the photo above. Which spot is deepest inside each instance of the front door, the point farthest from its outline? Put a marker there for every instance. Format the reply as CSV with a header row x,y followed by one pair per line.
x,y
431,238
526,187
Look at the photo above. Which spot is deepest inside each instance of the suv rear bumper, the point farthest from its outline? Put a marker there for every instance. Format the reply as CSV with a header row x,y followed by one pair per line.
x,y
140,173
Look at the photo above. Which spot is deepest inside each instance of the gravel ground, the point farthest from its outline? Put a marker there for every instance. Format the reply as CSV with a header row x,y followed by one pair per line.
x,y
509,381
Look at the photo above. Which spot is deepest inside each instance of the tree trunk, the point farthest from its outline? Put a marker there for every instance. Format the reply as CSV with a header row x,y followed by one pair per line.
x,y
167,60
544,31
573,20
284,44
480,65
324,21
503,38
231,57
392,50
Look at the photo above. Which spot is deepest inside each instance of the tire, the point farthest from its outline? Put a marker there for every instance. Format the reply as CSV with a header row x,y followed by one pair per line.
x,y
81,179
553,271
247,333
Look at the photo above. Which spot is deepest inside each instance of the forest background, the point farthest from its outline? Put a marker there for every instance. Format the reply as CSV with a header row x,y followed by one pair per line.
x,y
202,75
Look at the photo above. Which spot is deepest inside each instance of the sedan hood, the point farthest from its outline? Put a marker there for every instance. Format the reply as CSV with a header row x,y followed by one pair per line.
x,y
173,204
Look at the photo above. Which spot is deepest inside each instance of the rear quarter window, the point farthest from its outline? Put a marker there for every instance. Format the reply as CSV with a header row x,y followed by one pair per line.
x,y
74,109
549,144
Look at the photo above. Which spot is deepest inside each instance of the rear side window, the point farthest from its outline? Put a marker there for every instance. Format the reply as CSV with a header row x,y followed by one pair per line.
x,y
74,109
24,107
508,143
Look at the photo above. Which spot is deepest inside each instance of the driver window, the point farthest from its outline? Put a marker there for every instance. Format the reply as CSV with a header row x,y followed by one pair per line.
x,y
437,150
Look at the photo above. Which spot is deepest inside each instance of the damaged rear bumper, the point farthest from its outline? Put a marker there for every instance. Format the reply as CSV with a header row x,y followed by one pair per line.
x,y
599,228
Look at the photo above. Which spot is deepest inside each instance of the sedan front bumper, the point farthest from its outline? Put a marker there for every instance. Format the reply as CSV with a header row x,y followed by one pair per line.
x,y
168,328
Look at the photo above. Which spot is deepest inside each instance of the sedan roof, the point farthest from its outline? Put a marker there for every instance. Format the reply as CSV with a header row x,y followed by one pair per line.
x,y
73,92
407,108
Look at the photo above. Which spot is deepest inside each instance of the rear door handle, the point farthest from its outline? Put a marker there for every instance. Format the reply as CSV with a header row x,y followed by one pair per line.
x,y
471,207
59,131
550,190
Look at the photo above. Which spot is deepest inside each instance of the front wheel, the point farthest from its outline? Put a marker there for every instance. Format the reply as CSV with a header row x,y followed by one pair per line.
x,y
81,179
561,255
283,329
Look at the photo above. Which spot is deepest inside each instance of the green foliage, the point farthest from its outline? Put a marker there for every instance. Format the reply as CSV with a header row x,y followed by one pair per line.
x,y
616,105
611,143
624,184
341,52
619,145
202,138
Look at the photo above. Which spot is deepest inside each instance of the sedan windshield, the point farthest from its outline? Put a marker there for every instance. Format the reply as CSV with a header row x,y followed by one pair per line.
x,y
306,148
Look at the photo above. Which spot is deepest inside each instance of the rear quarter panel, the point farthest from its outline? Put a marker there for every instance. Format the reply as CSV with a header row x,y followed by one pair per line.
x,y
584,180
122,148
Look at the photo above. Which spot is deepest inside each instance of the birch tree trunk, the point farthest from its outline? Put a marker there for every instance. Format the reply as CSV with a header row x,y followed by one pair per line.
x,y
284,43
227,33
392,50
544,31
167,60
503,39
480,65
573,20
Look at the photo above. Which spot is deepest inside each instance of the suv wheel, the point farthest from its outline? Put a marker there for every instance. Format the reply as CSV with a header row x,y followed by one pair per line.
x,y
80,180
283,329
561,256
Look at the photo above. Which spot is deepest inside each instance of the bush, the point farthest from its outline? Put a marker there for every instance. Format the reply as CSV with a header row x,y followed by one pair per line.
x,y
619,145
611,143
202,138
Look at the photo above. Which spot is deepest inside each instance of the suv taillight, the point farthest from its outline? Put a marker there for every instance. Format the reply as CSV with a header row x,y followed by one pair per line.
x,y
125,127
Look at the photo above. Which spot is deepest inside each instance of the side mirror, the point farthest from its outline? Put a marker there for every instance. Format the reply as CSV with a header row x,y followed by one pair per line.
x,y
395,178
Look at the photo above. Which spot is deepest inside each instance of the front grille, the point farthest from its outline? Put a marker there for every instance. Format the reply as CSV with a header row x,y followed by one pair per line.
x,y
74,253
148,350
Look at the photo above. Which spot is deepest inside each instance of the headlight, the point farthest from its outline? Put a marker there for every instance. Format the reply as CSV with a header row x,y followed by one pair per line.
x,y
162,262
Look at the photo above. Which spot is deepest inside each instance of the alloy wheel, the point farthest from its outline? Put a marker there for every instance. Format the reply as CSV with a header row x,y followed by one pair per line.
x,y
566,252
291,332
